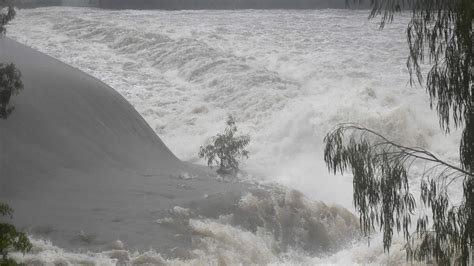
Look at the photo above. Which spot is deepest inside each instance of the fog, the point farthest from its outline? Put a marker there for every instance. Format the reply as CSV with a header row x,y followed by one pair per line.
x,y
223,4
194,4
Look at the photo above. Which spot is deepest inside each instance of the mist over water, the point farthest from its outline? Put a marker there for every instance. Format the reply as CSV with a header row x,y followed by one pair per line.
x,y
287,76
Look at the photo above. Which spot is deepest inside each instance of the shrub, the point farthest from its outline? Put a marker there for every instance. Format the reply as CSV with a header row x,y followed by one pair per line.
x,y
10,238
226,149
10,76
10,84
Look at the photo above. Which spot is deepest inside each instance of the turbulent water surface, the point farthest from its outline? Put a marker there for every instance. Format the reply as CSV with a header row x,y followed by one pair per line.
x,y
287,76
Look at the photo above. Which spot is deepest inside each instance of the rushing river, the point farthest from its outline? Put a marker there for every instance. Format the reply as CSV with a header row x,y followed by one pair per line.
x,y
287,76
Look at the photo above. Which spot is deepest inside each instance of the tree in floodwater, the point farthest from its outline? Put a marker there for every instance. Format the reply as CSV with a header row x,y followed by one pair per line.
x,y
10,238
8,13
10,83
226,149
440,34
10,76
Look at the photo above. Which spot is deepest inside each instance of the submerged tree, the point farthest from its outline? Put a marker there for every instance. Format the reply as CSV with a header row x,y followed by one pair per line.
x,y
226,149
10,84
440,34
10,238
7,14
10,76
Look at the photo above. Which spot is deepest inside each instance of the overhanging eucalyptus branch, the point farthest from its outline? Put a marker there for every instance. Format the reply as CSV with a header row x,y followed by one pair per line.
x,y
382,196
379,146
439,34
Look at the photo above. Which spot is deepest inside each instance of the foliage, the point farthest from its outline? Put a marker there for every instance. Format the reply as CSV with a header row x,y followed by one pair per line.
x,y
7,16
10,76
10,84
439,33
382,196
226,149
10,238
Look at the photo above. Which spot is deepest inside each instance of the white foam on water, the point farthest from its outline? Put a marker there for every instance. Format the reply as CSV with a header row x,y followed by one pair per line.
x,y
221,245
287,76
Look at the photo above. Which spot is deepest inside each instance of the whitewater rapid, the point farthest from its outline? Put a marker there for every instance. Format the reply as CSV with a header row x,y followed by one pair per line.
x,y
287,76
